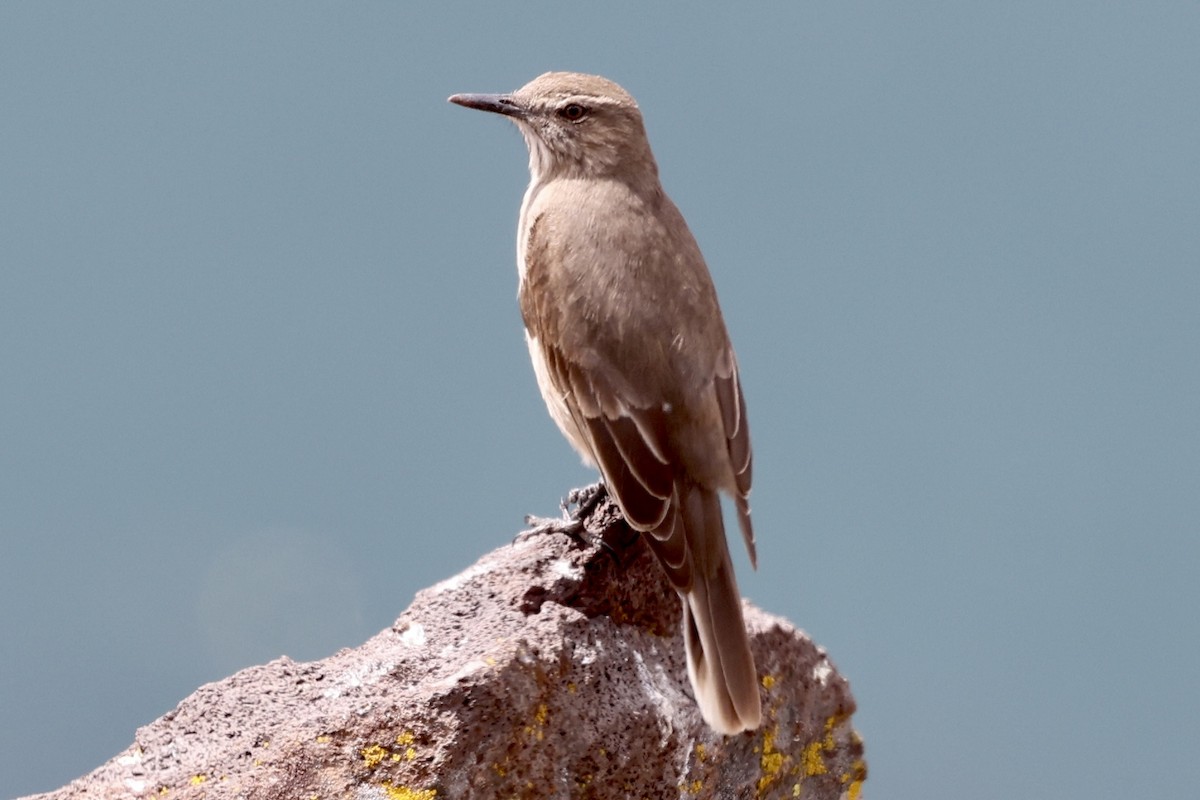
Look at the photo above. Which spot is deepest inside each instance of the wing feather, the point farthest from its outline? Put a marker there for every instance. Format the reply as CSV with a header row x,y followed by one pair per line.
x,y
737,434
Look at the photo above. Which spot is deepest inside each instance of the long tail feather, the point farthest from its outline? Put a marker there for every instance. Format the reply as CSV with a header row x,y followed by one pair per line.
x,y
720,665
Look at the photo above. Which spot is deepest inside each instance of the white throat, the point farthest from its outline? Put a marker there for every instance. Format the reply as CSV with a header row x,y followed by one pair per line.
x,y
539,162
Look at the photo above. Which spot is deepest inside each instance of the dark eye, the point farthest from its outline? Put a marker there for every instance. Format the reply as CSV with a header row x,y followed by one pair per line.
x,y
572,112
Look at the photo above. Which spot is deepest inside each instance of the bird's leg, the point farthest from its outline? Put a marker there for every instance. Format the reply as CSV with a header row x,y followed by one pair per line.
x,y
572,523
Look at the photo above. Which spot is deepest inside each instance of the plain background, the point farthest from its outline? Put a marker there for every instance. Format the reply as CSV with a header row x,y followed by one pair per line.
x,y
262,374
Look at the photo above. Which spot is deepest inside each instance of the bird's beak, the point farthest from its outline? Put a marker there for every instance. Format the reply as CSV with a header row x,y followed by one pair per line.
x,y
496,103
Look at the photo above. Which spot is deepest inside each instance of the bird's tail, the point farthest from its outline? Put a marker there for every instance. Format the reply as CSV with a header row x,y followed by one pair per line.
x,y
720,665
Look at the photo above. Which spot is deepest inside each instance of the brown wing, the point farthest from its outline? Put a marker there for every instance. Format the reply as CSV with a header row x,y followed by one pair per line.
x,y
631,448
737,432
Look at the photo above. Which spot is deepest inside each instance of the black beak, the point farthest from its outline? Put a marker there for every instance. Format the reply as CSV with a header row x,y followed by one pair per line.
x,y
496,103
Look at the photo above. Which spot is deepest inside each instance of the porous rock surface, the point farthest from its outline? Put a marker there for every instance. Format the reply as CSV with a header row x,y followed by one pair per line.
x,y
549,669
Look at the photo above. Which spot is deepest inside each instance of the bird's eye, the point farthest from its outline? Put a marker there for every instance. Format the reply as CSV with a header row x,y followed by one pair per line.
x,y
572,112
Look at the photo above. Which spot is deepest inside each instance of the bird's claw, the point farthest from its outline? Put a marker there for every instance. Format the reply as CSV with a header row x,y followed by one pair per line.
x,y
540,526
586,499
573,522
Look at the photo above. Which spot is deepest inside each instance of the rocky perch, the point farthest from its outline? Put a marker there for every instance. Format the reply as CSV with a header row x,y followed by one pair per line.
x,y
549,669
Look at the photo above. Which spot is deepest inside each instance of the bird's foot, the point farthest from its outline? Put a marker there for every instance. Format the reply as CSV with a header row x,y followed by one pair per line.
x,y
586,500
573,523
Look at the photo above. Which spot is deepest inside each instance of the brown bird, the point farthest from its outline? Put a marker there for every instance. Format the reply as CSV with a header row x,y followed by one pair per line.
x,y
633,359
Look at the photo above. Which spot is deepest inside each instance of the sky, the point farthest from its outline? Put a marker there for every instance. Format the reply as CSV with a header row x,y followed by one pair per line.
x,y
262,374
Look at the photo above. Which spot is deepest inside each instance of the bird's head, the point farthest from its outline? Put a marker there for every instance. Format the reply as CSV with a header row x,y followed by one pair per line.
x,y
575,125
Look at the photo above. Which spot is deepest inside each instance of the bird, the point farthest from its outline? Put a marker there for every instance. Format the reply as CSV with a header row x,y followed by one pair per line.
x,y
633,359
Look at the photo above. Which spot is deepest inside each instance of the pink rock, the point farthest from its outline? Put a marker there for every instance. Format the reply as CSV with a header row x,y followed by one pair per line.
x,y
545,670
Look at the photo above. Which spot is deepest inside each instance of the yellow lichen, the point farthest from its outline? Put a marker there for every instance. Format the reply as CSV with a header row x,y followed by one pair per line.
x,y
199,779
540,715
701,752
373,755
814,764
830,723
771,761
812,758
323,739
405,738
405,793
855,778
768,681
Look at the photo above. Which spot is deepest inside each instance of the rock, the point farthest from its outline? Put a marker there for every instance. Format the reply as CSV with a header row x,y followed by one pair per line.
x,y
548,669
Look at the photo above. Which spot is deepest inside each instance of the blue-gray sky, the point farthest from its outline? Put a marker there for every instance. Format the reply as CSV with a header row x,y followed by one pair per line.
x,y
262,374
